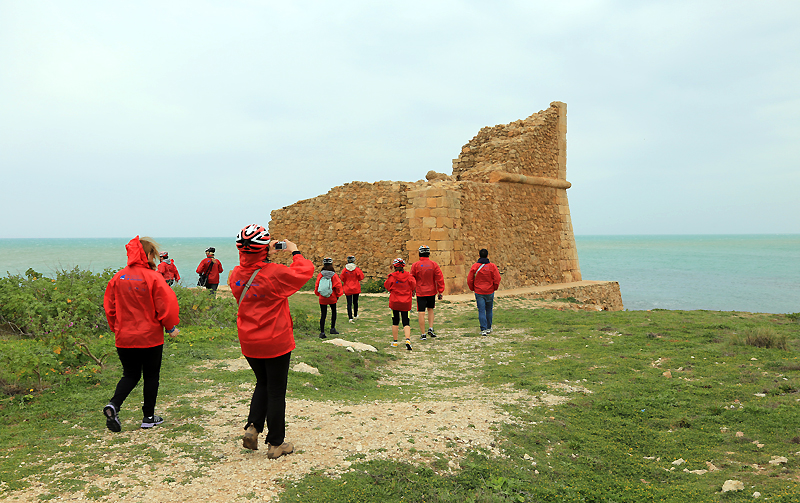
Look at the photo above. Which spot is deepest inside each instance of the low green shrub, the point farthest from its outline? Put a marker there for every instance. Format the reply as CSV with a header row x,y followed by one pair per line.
x,y
761,337
373,285
199,307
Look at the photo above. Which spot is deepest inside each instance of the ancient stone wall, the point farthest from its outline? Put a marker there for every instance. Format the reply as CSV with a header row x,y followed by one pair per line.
x,y
507,194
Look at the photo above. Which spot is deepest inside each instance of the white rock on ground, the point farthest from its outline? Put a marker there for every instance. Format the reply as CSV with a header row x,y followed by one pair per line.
x,y
358,346
732,485
304,367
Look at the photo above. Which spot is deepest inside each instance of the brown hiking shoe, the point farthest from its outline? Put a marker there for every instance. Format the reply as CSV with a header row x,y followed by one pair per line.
x,y
276,451
250,440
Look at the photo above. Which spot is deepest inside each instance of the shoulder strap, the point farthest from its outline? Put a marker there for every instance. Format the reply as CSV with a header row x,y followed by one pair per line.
x,y
247,286
479,269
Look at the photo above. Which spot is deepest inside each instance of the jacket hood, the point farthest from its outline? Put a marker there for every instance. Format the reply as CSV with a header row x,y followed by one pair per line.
x,y
350,267
252,260
327,274
136,254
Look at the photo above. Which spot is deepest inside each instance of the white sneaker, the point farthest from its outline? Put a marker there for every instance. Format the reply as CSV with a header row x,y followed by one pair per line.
x,y
484,332
351,320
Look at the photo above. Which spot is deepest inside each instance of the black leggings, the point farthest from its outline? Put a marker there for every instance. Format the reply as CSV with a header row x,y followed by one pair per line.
x,y
269,396
396,315
323,313
352,305
135,362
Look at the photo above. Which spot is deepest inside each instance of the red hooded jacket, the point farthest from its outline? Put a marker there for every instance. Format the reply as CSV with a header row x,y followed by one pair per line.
x,y
337,290
486,281
168,270
401,285
351,279
138,302
213,275
264,322
428,274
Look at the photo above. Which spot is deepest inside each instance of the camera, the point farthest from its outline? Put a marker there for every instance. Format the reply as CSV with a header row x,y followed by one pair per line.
x,y
280,245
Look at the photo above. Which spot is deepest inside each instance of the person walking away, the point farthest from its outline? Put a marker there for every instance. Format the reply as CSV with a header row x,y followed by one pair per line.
x,y
211,269
168,269
266,335
351,277
484,279
328,288
139,307
401,285
430,282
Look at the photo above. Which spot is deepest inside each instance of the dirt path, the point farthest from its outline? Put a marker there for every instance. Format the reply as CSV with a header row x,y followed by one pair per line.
x,y
208,463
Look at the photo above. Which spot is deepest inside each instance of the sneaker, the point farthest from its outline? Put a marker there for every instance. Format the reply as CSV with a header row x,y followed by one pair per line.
x,y
355,317
250,440
322,335
423,337
334,331
408,344
488,331
274,452
394,344
431,332
351,320
151,421
484,333
112,418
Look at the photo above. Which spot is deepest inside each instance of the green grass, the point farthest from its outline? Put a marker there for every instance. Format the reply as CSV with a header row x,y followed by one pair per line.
x,y
615,441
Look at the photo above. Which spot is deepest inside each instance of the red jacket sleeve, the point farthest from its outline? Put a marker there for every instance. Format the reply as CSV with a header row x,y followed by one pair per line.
x,y
387,285
175,270
337,286
471,277
166,304
316,284
439,279
496,277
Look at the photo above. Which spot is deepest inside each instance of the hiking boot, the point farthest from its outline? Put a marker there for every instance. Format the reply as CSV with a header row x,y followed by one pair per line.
x,y
431,332
423,337
322,335
151,421
250,439
394,344
408,344
334,331
112,418
274,452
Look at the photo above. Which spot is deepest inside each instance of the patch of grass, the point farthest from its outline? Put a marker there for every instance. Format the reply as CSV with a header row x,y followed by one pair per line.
x,y
761,337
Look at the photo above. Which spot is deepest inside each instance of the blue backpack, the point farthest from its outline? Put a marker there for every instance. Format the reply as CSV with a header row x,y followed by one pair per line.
x,y
325,288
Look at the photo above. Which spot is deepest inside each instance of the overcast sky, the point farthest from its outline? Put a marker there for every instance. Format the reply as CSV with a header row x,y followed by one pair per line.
x,y
176,119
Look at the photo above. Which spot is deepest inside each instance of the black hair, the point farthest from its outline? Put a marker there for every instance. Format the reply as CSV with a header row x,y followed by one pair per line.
x,y
328,267
483,253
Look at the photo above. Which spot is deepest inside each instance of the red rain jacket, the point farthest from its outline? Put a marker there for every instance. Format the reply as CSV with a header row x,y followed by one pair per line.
x,y
484,282
401,285
428,274
337,290
264,322
213,275
138,302
168,270
351,280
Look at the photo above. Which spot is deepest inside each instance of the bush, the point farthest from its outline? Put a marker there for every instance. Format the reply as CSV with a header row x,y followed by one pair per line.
x,y
202,309
762,337
373,285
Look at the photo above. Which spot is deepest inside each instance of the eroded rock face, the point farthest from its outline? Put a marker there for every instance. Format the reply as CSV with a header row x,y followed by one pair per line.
x,y
507,193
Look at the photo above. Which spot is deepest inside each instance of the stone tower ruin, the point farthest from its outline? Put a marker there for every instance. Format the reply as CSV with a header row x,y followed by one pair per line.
x,y
507,193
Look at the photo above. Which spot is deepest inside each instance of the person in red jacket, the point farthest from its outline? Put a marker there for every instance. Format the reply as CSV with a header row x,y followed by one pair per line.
x,y
430,282
351,277
329,296
167,268
401,285
139,307
266,334
210,267
484,279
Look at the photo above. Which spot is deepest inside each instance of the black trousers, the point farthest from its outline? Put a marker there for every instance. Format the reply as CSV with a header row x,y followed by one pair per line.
x,y
269,396
135,363
323,313
352,305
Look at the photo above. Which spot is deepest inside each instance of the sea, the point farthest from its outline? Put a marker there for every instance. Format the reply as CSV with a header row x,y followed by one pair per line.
x,y
753,273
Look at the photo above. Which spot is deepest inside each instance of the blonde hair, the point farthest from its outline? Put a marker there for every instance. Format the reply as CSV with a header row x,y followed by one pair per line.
x,y
151,249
